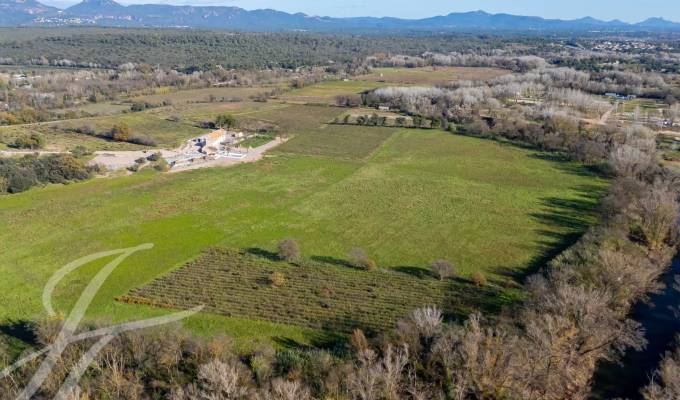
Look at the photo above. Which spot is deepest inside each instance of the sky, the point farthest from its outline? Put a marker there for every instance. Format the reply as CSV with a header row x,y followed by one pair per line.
x,y
625,10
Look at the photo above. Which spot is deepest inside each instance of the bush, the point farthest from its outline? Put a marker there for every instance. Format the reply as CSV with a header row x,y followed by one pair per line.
x,y
80,151
478,279
442,269
155,156
162,165
142,140
289,250
225,121
20,174
86,130
34,141
121,132
359,259
277,279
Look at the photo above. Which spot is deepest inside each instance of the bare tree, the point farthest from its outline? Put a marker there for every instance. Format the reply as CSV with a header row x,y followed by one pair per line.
x,y
223,380
665,383
288,390
428,320
442,269
289,250
359,259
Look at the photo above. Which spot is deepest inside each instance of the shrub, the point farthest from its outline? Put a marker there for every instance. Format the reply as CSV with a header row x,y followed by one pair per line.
x,y
20,174
225,121
155,156
121,132
359,259
34,141
80,151
86,130
277,279
289,250
478,279
162,165
142,140
442,269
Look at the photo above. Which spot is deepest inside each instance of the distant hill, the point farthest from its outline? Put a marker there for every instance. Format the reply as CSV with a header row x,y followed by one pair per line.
x,y
97,8
110,13
17,12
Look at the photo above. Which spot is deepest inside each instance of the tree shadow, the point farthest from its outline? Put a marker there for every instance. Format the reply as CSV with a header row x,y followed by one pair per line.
x,y
21,330
562,162
324,340
465,297
260,252
564,221
416,272
331,261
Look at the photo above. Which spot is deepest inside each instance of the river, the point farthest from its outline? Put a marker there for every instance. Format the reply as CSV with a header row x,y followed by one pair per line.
x,y
661,325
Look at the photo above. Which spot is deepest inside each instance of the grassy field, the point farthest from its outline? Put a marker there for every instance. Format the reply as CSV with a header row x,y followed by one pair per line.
x,y
58,140
350,142
60,135
207,95
326,92
431,75
645,105
406,196
159,124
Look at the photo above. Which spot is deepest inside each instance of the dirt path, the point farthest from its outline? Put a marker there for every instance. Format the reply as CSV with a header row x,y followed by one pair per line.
x,y
606,115
603,119
13,153
117,160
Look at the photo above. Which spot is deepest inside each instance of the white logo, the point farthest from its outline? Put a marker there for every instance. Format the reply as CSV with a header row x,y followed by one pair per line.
x,y
68,333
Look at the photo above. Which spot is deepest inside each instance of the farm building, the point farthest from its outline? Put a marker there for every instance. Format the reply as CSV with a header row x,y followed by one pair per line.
x,y
215,138
214,141
620,96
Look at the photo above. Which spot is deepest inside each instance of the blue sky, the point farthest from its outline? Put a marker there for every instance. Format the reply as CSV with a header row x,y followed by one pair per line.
x,y
626,10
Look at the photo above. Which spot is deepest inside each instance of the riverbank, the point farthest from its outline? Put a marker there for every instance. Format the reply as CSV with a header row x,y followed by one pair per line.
x,y
658,317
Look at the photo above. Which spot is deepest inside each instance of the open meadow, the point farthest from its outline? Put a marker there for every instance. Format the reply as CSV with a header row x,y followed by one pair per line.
x,y
407,197
326,92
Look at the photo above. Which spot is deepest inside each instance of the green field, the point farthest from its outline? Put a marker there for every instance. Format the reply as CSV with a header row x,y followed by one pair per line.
x,y
406,196
326,92
170,126
353,142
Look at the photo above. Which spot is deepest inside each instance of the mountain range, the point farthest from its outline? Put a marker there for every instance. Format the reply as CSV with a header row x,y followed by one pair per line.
x,y
110,13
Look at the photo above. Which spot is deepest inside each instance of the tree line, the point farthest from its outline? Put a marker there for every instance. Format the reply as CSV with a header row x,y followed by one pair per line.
x,y
18,174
